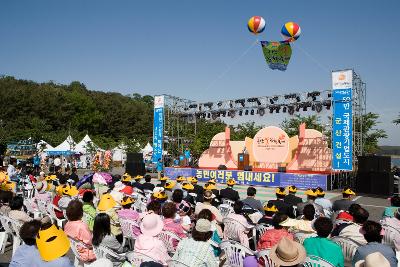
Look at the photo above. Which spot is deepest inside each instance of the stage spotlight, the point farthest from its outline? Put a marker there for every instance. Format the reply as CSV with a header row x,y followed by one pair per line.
x,y
199,107
241,113
298,98
231,113
318,107
208,115
278,109
329,94
313,107
252,112
261,111
214,116
298,108
271,110
241,101
284,109
209,105
305,108
271,101
193,106
223,113
291,110
246,112
219,104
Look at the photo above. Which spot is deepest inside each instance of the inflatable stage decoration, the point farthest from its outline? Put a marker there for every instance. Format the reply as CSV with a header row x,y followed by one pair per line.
x,y
271,148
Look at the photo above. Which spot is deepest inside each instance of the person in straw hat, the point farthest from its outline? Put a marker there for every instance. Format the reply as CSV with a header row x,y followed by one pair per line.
x,y
312,195
282,207
287,253
373,260
291,198
229,192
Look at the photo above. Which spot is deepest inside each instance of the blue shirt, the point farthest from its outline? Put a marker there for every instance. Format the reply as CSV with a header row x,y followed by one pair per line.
x,y
29,256
372,247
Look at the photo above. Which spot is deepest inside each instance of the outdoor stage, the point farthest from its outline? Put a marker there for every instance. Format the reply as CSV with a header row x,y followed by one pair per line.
x,y
256,178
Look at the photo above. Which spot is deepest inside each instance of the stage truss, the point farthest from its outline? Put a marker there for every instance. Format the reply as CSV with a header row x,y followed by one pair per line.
x,y
180,112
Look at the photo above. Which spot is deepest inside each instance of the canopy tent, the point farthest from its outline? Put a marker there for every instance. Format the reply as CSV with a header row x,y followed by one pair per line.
x,y
83,145
119,153
43,145
147,149
65,148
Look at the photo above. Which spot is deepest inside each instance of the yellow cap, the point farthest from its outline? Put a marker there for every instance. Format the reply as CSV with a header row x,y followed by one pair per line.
x,y
193,180
52,243
70,190
348,191
52,177
180,179
126,178
8,186
311,192
3,177
138,177
127,200
160,195
280,191
51,188
212,181
169,184
231,182
164,178
320,192
292,189
106,202
209,186
271,208
187,186
59,190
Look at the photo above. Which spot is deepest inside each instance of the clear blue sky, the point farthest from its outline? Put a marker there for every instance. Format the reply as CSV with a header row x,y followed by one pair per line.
x,y
182,47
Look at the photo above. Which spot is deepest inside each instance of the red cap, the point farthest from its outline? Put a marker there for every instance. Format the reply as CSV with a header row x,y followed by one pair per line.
x,y
344,216
127,190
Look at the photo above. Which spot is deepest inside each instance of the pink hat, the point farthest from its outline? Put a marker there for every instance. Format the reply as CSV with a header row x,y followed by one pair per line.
x,y
151,225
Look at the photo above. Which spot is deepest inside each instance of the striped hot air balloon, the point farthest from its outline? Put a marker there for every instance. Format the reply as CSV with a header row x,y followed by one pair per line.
x,y
256,24
291,31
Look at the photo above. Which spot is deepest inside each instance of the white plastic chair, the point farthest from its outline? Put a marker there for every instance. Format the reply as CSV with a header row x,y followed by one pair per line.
x,y
176,263
233,229
78,261
314,261
348,245
138,258
301,236
28,203
235,253
42,206
51,211
104,252
128,227
258,231
264,254
225,209
169,238
9,225
390,235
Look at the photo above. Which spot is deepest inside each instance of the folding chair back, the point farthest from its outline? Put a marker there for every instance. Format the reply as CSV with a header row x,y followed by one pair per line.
x,y
314,261
170,240
235,253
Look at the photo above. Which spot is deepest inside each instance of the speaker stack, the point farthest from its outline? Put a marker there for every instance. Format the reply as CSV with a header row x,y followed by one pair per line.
x,y
135,164
374,176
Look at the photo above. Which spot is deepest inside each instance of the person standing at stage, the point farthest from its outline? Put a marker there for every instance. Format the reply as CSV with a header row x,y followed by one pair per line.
x,y
253,203
291,199
229,192
159,168
280,204
311,197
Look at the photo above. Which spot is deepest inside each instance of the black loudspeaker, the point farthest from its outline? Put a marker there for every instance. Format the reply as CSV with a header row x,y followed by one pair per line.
x,y
281,169
374,164
248,168
222,167
135,168
134,157
376,183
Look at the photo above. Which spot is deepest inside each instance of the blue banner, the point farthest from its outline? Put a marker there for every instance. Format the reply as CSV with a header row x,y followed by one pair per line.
x,y
273,179
158,128
342,130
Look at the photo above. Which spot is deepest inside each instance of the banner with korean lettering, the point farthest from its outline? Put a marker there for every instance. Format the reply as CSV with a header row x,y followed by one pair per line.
x,y
342,120
158,128
273,179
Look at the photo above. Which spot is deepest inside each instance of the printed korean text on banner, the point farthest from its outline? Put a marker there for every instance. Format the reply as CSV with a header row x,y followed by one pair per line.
x,y
277,54
158,128
273,179
342,124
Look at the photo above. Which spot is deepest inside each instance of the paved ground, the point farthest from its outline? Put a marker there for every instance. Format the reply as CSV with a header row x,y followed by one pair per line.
x,y
374,205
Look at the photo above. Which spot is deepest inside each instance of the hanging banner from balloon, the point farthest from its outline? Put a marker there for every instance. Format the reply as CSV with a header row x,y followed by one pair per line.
x,y
277,54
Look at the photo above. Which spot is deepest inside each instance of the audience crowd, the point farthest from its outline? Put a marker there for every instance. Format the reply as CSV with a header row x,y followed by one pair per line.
x,y
124,222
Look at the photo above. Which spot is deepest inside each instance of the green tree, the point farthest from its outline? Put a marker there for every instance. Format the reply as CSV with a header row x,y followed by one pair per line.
x,y
248,129
371,134
291,126
205,132
397,121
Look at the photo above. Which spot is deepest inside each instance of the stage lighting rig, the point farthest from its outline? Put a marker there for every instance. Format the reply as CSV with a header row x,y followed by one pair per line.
x,y
241,101
208,105
261,111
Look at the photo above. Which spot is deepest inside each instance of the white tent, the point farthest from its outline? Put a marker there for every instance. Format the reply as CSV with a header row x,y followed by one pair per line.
x,y
83,144
43,144
147,149
119,153
65,148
